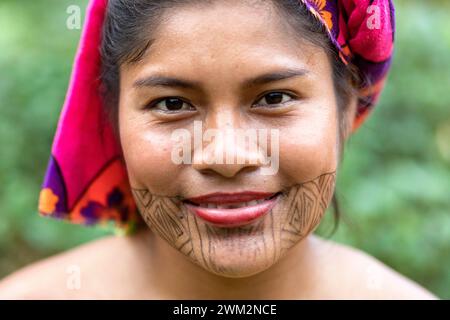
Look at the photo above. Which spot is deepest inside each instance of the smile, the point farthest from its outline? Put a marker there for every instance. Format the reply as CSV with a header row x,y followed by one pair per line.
x,y
232,210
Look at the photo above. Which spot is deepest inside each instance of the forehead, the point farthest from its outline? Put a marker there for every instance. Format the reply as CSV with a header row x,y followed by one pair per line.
x,y
226,38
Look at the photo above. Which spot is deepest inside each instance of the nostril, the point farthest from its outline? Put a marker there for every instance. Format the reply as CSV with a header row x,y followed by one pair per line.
x,y
225,169
208,172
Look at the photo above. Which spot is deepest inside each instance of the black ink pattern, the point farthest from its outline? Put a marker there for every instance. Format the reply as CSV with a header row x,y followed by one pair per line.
x,y
298,212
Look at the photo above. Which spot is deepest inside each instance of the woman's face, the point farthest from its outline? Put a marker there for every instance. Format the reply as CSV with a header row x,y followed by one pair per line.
x,y
230,67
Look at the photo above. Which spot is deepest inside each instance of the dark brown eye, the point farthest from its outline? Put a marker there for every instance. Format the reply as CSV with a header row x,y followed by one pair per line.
x,y
274,98
174,104
171,105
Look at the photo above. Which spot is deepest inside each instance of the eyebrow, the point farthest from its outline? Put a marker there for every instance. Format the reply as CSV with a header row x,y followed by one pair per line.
x,y
163,81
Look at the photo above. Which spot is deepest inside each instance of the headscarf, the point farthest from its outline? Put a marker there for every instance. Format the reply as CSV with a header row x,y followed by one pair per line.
x,y
86,180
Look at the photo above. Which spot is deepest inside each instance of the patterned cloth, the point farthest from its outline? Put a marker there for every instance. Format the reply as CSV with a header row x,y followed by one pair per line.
x,y
86,180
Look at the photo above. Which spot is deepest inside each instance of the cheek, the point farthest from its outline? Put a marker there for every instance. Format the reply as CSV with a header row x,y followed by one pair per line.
x,y
302,209
308,147
147,153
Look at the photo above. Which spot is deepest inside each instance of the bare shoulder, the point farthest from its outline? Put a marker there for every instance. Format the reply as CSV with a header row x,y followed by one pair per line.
x,y
83,272
354,274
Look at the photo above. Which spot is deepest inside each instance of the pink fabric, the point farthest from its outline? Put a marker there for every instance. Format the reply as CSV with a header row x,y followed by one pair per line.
x,y
86,181
79,130
374,44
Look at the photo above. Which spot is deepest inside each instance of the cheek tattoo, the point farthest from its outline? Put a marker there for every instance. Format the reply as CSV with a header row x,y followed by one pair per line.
x,y
298,211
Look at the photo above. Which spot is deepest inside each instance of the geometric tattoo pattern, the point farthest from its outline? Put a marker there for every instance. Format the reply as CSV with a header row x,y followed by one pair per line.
x,y
297,213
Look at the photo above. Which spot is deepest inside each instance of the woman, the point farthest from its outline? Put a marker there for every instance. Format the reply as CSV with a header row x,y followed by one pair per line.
x,y
146,126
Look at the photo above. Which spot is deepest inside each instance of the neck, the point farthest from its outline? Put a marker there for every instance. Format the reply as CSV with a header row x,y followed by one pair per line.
x,y
174,276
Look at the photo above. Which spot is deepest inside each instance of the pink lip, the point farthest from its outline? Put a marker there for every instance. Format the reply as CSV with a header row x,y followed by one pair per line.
x,y
224,198
233,217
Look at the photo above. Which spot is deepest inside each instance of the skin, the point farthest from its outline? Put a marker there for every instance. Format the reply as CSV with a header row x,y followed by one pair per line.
x,y
239,251
181,257
307,123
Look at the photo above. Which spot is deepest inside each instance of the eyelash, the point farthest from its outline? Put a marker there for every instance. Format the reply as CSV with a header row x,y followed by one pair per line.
x,y
152,105
290,95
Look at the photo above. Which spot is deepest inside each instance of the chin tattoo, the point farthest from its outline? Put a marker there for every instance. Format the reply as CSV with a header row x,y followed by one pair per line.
x,y
298,212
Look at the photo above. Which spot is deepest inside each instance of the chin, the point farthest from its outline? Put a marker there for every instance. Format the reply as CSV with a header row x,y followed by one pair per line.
x,y
236,266
235,252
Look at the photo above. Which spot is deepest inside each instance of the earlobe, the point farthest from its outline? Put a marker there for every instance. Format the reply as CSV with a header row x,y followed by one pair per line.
x,y
349,117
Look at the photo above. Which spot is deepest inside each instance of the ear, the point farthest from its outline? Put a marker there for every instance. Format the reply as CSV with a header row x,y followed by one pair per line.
x,y
349,117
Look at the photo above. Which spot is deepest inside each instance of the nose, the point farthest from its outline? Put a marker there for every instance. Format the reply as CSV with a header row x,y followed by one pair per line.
x,y
227,158
227,149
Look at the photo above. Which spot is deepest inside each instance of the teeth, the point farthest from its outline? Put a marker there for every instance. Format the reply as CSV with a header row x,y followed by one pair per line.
x,y
232,205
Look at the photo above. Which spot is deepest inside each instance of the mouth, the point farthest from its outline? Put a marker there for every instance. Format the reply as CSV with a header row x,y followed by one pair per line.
x,y
232,210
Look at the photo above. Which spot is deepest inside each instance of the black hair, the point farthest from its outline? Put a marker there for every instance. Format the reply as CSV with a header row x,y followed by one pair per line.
x,y
126,38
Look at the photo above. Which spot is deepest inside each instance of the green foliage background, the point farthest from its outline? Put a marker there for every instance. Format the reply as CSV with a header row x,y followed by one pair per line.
x,y
394,184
